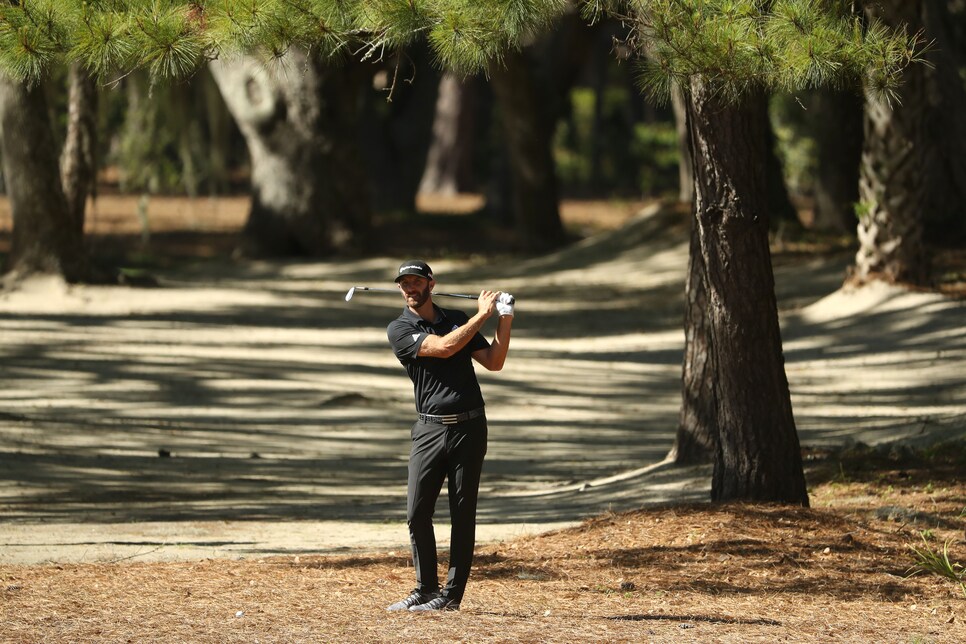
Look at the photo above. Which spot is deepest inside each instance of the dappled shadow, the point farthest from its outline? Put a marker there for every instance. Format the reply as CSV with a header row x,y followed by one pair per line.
x,y
736,550
252,390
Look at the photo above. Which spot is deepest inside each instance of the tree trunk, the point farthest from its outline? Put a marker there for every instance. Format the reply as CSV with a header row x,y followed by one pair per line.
x,y
758,456
894,168
696,440
527,133
78,159
308,186
399,132
599,59
780,206
220,128
449,162
836,118
45,237
946,188
190,139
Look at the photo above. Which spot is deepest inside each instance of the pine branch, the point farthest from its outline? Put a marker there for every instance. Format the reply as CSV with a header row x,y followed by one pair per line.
x,y
732,45
735,46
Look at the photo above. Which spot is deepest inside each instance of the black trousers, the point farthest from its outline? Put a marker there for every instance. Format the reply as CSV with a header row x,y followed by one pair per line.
x,y
454,452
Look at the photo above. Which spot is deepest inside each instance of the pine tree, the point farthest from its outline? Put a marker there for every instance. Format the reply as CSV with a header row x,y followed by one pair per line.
x,y
728,55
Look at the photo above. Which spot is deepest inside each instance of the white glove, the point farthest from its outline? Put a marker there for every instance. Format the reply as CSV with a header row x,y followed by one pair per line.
x,y
504,304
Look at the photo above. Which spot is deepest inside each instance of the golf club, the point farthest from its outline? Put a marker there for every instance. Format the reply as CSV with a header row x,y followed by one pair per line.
x,y
352,292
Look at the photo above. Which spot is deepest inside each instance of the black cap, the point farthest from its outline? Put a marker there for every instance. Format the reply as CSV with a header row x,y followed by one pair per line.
x,y
414,267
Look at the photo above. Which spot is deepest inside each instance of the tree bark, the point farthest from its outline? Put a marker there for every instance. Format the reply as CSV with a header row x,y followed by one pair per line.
x,y
78,159
45,238
527,133
836,116
894,168
449,162
697,438
758,455
299,121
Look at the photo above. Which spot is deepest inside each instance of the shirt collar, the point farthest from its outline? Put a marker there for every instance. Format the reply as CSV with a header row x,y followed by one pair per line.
x,y
440,316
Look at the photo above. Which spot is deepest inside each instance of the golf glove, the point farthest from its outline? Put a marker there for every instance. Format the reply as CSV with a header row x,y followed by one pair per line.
x,y
504,304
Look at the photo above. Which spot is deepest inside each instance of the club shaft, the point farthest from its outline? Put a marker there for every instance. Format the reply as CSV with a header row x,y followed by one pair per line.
x,y
392,290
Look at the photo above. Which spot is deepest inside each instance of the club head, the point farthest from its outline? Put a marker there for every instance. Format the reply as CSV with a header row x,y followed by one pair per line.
x,y
352,291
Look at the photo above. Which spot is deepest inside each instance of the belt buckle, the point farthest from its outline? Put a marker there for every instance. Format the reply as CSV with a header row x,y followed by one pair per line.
x,y
449,419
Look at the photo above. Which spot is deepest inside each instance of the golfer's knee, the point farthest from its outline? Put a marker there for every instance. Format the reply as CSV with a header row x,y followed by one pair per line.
x,y
419,519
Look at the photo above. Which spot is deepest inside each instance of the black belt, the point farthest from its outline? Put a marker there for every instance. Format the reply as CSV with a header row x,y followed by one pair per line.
x,y
451,419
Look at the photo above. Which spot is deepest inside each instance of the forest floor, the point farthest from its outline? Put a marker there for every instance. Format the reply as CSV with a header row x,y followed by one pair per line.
x,y
221,457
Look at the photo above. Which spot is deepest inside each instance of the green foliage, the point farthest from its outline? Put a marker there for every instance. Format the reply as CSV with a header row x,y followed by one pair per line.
x,y
863,209
642,164
32,35
731,45
164,143
735,46
654,151
171,38
101,43
170,43
146,155
929,560
794,143
466,35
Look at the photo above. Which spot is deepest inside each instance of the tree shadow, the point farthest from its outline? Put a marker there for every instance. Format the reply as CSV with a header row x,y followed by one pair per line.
x,y
276,399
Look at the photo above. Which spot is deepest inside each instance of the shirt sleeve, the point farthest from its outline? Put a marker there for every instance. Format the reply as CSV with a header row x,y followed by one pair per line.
x,y
478,341
405,340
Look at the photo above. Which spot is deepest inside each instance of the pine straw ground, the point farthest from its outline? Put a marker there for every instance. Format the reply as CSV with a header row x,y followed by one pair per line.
x,y
729,573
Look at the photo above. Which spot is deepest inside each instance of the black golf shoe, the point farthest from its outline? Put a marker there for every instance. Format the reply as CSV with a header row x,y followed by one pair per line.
x,y
415,599
437,603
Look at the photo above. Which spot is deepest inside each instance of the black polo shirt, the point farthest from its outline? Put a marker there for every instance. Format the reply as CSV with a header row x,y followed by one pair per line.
x,y
440,385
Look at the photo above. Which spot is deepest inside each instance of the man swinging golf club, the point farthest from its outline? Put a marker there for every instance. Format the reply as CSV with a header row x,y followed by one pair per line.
x,y
449,438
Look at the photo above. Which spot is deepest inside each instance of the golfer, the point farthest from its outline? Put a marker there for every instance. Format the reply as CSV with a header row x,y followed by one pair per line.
x,y
449,438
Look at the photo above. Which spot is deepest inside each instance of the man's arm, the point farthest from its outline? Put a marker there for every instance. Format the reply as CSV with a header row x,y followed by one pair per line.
x,y
493,357
445,346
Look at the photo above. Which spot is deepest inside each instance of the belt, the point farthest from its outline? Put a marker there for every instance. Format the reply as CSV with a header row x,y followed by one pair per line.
x,y
451,419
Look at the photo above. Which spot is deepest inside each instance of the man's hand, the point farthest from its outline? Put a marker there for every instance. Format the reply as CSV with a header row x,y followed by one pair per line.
x,y
504,305
487,303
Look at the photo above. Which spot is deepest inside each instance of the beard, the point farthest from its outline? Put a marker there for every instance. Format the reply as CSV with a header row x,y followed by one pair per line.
x,y
418,298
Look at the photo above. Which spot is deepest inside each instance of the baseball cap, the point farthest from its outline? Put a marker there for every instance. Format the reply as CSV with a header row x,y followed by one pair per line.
x,y
414,267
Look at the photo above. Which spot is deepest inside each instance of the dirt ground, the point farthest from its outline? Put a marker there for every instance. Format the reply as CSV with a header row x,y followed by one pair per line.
x,y
233,442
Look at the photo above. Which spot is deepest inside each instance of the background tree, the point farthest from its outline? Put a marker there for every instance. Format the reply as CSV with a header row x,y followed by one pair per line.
x,y
449,160
78,159
46,238
527,124
895,167
913,174
299,121
836,117
727,55
396,125
944,24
